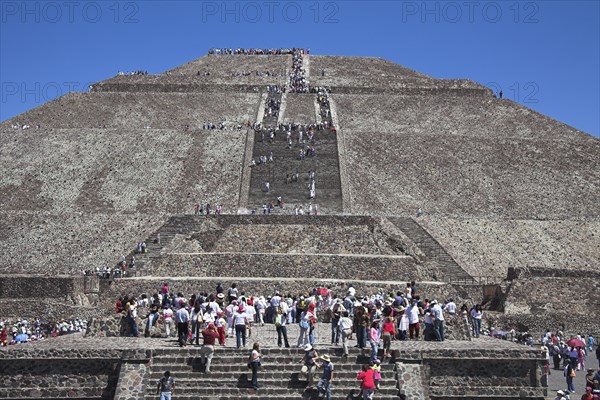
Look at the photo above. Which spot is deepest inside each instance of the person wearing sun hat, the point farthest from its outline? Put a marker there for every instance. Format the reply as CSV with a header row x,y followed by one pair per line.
x,y
560,395
309,363
324,384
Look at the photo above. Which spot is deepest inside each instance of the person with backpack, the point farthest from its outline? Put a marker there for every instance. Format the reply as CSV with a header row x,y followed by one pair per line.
x,y
304,324
281,327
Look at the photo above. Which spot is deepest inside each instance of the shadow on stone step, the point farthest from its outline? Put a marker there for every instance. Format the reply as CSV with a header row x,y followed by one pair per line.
x,y
196,364
244,381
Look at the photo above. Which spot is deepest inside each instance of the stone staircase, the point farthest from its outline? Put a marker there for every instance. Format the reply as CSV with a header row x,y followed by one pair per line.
x,y
432,249
287,162
278,378
177,224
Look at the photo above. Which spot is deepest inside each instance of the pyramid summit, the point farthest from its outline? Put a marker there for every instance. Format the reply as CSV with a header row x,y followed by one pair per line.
x,y
282,169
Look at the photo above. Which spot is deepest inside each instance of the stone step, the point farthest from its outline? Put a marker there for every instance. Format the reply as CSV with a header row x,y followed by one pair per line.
x,y
248,394
49,392
243,386
216,377
211,380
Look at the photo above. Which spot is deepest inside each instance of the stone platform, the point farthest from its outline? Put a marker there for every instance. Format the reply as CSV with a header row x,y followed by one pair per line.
x,y
128,368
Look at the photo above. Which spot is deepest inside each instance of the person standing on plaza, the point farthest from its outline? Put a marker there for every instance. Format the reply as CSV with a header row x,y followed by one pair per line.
x,y
240,321
182,318
166,386
281,327
438,321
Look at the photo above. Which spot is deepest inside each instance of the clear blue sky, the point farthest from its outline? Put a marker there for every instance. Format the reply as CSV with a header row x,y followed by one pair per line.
x,y
544,54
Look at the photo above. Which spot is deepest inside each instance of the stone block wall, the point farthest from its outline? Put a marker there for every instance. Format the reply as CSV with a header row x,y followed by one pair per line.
x,y
59,373
27,286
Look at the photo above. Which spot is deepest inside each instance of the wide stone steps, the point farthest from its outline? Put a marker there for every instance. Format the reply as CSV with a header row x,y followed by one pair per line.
x,y
287,161
223,391
278,377
248,393
215,377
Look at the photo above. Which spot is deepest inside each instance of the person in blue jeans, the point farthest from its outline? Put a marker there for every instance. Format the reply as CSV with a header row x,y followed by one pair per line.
x,y
241,322
570,374
324,384
255,364
166,386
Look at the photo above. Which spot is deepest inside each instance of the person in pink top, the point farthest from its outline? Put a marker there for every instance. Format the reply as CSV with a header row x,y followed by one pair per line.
x,y
368,383
374,340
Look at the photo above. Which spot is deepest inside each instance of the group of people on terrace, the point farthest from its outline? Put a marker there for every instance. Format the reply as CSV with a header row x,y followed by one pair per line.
x,y
206,209
266,73
376,319
23,331
241,51
139,72
223,126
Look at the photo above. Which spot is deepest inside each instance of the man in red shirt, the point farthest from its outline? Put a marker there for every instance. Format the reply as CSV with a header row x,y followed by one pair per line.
x,y
368,383
209,335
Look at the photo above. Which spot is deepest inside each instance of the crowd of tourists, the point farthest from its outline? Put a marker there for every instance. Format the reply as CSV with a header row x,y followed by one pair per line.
x,y
139,72
298,83
272,51
401,316
222,125
24,331
266,73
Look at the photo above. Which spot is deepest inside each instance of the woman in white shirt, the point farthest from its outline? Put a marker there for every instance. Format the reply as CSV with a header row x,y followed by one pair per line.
x,y
476,317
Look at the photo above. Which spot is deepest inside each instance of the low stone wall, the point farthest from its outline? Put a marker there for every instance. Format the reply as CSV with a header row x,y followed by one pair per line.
x,y
59,373
32,286
298,266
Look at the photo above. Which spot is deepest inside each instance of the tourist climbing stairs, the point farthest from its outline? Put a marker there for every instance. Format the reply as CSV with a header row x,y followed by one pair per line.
x,y
451,270
278,378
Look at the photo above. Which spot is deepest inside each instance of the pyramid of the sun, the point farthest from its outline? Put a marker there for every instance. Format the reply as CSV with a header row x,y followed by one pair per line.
x,y
500,185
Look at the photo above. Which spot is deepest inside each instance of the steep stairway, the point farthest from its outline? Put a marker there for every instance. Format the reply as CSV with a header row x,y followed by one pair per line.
x,y
432,249
178,224
278,378
272,139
